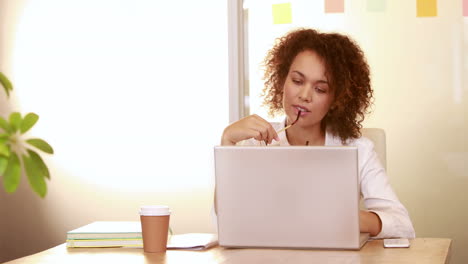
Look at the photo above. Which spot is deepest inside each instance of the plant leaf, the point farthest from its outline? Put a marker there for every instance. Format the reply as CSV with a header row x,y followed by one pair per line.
x,y
41,144
39,163
36,179
4,148
6,84
15,121
5,125
3,164
11,177
29,121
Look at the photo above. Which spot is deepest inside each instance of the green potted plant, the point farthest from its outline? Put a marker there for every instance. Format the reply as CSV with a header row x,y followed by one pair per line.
x,y
18,153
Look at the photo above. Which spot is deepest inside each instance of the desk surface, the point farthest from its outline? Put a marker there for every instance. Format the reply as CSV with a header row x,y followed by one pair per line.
x,y
422,250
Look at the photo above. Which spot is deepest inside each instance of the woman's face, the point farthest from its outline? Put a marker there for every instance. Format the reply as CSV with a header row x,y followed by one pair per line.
x,y
306,89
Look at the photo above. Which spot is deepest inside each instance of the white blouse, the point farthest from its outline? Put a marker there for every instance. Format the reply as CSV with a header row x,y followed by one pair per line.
x,y
377,194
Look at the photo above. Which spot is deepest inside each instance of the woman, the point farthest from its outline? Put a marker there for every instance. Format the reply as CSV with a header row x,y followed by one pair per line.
x,y
321,82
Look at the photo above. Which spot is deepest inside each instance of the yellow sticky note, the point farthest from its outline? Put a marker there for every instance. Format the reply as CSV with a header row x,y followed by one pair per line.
x,y
282,13
426,8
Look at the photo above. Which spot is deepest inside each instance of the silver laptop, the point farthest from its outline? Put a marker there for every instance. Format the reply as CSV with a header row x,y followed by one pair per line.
x,y
288,197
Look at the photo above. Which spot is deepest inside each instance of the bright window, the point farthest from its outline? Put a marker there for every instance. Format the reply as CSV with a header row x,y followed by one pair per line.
x,y
133,95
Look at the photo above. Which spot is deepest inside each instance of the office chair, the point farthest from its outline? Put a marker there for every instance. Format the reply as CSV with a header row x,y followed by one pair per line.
x,y
377,136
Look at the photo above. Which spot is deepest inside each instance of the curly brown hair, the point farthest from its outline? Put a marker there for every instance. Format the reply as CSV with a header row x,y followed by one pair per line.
x,y
347,72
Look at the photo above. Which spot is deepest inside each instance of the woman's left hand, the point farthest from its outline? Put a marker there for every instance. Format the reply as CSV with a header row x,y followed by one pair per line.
x,y
369,222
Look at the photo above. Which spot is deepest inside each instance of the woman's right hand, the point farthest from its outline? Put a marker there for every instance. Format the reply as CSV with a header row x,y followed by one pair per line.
x,y
248,127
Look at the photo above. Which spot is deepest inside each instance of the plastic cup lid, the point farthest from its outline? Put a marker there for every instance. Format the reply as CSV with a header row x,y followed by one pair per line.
x,y
154,210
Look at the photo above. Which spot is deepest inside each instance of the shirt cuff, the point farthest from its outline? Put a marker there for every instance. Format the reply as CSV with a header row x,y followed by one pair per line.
x,y
386,220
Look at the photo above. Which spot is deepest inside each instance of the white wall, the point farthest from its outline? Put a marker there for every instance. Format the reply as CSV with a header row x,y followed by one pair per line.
x,y
419,74
132,95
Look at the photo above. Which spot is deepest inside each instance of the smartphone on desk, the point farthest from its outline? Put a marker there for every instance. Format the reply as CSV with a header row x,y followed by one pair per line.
x,y
396,243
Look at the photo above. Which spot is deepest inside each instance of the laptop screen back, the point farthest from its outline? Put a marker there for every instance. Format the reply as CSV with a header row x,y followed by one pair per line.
x,y
290,197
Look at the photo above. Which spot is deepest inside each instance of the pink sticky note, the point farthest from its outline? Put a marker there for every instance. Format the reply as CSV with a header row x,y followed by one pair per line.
x,y
465,8
334,6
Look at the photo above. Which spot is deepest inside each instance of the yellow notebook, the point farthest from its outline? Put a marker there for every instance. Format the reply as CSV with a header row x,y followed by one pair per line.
x,y
111,242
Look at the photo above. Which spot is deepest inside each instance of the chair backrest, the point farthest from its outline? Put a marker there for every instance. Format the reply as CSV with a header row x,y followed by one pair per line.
x,y
377,135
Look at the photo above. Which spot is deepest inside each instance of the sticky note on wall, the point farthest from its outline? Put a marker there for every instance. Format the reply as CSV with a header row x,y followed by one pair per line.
x,y
282,13
334,6
465,8
376,5
426,8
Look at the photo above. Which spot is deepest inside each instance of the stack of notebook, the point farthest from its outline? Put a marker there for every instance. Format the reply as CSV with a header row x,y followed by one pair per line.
x,y
128,235
106,234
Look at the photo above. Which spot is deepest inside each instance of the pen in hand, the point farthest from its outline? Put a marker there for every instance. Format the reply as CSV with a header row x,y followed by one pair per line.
x,y
286,127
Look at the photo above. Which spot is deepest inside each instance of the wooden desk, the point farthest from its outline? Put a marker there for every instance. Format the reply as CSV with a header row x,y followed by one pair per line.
x,y
422,250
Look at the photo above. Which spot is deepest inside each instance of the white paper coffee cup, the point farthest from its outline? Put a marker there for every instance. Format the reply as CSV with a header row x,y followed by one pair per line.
x,y
154,226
